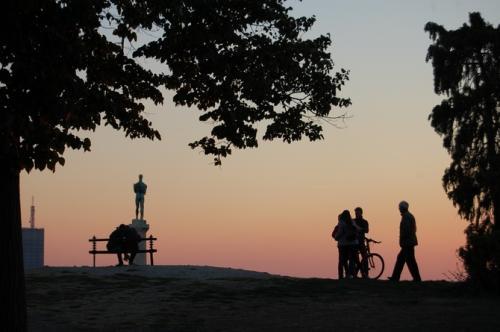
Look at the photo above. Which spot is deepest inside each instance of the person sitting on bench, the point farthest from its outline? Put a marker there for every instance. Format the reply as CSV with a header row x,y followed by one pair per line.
x,y
124,240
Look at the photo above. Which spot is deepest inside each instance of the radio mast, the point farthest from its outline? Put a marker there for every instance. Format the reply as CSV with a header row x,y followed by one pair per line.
x,y
32,212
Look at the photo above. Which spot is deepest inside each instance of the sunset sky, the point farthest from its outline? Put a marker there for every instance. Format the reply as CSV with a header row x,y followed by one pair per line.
x,y
273,208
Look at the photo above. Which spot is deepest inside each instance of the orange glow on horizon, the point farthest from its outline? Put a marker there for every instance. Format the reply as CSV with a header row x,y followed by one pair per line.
x,y
273,208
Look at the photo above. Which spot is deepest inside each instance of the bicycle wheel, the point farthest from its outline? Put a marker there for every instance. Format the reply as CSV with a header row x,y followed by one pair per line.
x,y
375,264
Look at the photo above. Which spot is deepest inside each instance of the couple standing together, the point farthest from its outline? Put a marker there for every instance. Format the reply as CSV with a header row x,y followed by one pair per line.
x,y
349,245
350,236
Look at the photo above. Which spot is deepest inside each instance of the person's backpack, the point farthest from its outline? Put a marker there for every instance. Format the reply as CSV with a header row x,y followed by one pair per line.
x,y
335,232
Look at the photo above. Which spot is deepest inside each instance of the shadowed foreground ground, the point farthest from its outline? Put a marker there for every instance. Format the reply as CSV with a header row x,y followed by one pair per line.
x,y
79,299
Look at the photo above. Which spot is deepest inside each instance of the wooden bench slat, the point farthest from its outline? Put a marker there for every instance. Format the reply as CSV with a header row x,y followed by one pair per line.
x,y
101,240
110,252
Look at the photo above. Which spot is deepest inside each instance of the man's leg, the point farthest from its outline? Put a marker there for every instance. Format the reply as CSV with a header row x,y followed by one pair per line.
x,y
342,267
398,267
132,257
412,263
353,260
120,261
136,208
133,251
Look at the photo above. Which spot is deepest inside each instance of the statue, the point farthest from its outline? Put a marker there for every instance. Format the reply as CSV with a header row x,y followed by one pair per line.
x,y
140,191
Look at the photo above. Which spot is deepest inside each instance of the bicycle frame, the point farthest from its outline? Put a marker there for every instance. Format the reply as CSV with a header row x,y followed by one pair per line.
x,y
367,254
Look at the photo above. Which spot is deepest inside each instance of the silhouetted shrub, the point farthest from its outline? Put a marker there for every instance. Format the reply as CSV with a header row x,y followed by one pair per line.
x,y
481,254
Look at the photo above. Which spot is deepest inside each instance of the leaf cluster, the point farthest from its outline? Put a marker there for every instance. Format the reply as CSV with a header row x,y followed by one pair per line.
x,y
59,75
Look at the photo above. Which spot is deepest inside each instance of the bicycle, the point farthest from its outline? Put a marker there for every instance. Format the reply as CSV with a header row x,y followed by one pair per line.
x,y
373,262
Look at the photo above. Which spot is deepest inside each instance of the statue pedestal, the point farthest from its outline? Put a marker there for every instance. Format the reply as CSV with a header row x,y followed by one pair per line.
x,y
142,227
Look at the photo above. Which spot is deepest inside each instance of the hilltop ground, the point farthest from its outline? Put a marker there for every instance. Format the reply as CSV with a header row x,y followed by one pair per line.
x,y
188,298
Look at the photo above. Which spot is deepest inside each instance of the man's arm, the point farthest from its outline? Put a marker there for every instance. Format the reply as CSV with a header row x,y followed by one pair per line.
x,y
365,226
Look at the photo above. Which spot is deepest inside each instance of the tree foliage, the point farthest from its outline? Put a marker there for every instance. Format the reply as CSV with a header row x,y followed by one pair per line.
x,y
466,65
68,66
240,62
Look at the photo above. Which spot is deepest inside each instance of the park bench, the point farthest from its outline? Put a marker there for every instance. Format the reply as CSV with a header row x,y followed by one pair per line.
x,y
149,251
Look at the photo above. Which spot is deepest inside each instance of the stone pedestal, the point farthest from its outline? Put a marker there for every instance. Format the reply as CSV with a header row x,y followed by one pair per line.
x,y
142,227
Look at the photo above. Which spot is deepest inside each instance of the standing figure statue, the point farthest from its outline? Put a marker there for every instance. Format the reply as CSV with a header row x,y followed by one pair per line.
x,y
140,191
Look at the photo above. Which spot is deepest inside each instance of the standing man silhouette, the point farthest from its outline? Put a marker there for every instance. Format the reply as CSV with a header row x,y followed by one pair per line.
x,y
140,189
407,242
362,228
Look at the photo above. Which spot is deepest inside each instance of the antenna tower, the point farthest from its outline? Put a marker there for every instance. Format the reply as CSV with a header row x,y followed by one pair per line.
x,y
32,212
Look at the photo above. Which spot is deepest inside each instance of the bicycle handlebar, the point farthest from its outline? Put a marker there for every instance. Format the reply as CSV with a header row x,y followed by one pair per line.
x,y
371,240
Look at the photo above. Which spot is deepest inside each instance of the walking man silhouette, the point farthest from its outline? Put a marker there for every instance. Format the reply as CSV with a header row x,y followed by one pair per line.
x,y
407,242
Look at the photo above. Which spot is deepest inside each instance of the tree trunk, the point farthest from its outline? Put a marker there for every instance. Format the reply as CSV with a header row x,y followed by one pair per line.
x,y
13,287
496,211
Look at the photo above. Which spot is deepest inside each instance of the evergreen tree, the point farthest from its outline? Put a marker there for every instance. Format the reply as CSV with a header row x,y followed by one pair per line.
x,y
466,65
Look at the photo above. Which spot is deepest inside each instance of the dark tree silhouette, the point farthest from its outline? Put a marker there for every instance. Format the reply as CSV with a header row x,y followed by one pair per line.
x,y
67,66
466,65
